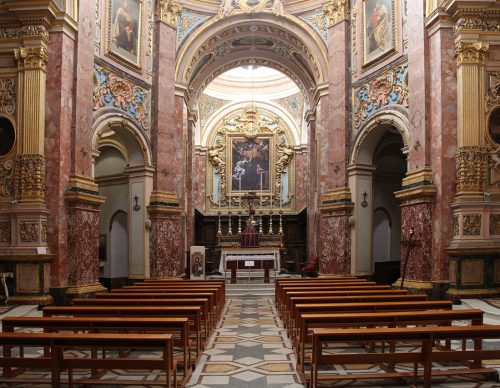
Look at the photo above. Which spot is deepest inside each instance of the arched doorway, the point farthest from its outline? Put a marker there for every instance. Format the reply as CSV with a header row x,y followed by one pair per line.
x,y
378,166
123,172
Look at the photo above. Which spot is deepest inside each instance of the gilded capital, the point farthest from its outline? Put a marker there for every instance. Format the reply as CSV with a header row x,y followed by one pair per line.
x,y
31,58
471,52
336,11
169,11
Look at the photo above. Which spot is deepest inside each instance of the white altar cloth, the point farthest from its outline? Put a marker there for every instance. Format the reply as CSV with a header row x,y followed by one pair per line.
x,y
248,255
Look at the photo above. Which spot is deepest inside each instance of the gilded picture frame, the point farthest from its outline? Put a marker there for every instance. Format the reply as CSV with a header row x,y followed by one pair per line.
x,y
379,30
250,159
124,31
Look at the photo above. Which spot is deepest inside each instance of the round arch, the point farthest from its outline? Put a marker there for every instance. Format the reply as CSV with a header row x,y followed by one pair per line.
x,y
368,137
285,43
121,132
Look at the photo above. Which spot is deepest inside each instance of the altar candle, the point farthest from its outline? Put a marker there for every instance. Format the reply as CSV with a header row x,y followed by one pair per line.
x,y
281,201
261,191
239,182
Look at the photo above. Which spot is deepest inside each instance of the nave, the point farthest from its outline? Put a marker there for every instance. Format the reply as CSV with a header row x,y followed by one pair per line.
x,y
250,346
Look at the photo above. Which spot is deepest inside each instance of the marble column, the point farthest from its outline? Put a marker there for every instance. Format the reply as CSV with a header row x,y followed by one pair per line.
x,y
190,195
312,198
334,195
82,194
167,237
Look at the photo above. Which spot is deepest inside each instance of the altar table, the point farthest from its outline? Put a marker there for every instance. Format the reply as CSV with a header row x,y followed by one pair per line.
x,y
258,255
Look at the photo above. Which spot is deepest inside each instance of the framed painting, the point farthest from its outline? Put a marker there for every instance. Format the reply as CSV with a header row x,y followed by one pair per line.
x,y
123,33
249,162
379,35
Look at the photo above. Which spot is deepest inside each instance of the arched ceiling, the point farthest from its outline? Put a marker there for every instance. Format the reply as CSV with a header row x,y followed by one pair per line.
x,y
283,43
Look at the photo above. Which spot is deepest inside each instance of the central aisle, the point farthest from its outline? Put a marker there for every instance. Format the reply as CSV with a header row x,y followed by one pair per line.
x,y
249,349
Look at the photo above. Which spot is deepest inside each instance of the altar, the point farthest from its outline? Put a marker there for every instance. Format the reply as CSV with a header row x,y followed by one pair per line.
x,y
256,255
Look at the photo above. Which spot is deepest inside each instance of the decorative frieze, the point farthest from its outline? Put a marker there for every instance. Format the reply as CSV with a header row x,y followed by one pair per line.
x,y
5,232
44,231
113,91
24,32
472,169
31,58
28,231
189,21
336,11
6,179
169,11
8,95
471,23
456,225
494,224
472,225
29,176
389,88
318,21
474,53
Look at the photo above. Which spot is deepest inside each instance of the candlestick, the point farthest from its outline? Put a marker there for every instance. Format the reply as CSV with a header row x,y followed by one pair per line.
x,y
239,180
219,229
230,226
261,190
270,222
239,222
261,230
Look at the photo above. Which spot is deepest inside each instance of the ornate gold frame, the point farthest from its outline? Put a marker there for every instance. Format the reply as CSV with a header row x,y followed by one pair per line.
x,y
369,62
114,55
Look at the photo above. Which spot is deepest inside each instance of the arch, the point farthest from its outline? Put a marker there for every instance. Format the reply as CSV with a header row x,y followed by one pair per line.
x,y
128,137
119,247
296,51
216,117
367,139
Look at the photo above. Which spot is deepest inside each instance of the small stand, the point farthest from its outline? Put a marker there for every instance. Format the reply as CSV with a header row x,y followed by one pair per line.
x,y
233,265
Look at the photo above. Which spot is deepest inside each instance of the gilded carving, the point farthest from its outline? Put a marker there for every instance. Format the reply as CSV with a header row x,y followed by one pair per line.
x,y
44,231
215,155
28,231
251,124
472,225
456,225
494,224
470,23
8,95
31,58
6,178
29,176
472,169
471,52
493,98
169,11
336,11
5,232
285,154
24,31
495,158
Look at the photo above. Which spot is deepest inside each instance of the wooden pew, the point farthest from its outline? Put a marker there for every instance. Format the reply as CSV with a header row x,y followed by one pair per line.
x,y
425,336
220,282
292,302
58,361
365,307
206,314
178,327
193,313
386,319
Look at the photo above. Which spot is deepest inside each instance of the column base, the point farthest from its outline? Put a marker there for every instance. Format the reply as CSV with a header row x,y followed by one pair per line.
x,y
42,300
84,290
455,294
415,286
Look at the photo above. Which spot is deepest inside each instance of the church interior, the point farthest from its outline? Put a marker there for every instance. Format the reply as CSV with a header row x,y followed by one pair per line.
x,y
280,193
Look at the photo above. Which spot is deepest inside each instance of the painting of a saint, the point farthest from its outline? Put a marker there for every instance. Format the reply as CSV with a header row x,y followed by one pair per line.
x,y
378,26
250,165
124,28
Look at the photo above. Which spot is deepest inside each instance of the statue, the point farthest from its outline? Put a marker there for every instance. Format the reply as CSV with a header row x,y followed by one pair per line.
x,y
495,158
286,155
215,159
278,8
225,9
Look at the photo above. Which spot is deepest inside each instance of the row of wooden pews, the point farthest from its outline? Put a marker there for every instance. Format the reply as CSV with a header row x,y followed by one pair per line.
x,y
152,325
339,322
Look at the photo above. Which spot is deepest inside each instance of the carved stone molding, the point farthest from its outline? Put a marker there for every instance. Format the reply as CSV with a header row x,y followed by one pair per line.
x,y
31,58
472,225
8,95
472,169
6,179
476,23
494,224
169,11
11,32
44,231
474,53
28,231
5,232
29,176
456,225
336,11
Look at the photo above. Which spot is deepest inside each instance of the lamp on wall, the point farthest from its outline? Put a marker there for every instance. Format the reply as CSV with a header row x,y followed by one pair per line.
x,y
136,207
364,203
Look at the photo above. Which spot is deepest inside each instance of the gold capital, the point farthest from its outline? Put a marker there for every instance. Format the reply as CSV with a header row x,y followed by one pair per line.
x,y
471,52
168,12
31,58
336,11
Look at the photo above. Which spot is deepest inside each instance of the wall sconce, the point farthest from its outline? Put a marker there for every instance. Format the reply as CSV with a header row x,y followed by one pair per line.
x,y
364,203
137,207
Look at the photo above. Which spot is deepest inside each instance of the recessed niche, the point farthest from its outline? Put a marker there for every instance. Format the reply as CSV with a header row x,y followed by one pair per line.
x,y
494,126
7,136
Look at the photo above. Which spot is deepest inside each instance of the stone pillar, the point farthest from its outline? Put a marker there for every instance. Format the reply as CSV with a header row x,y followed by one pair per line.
x,y
334,195
312,198
190,195
167,238
82,196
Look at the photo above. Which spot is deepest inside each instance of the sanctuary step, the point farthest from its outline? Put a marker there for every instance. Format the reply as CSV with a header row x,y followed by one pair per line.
x,y
250,289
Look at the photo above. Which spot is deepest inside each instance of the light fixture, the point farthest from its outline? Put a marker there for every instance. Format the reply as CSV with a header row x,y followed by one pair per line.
x,y
137,207
364,203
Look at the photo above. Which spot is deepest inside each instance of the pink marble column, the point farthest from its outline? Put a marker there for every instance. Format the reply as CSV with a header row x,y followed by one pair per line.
x,y
443,138
336,205
189,194
312,202
168,233
58,122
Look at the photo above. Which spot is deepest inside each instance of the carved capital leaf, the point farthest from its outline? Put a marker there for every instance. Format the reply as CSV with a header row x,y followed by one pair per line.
x,y
471,52
336,11
169,11
31,58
